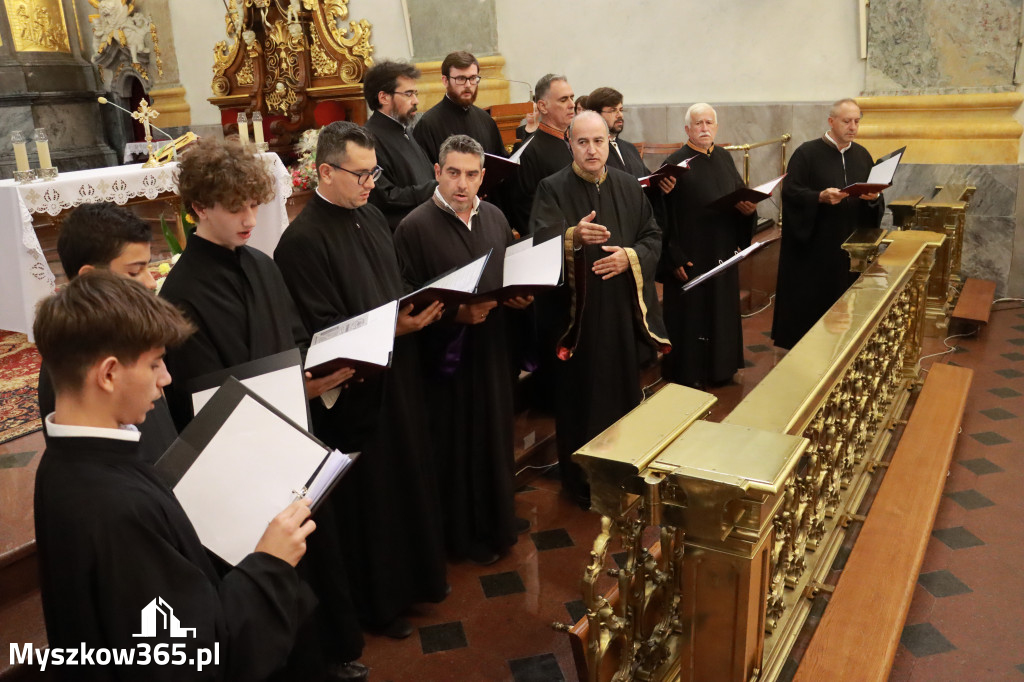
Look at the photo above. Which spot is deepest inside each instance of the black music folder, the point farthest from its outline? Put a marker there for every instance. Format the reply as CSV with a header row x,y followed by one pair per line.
x,y
452,288
726,264
751,194
239,463
363,342
674,170
880,177
529,268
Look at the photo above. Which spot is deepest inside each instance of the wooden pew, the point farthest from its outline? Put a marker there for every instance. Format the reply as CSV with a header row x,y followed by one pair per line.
x,y
975,302
860,630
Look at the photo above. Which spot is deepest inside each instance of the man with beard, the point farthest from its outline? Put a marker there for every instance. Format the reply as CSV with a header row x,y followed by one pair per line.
x,y
814,271
407,178
464,357
611,250
338,259
622,155
703,323
455,114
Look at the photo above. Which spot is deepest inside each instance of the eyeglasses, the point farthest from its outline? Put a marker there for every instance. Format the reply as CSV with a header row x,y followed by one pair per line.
x,y
462,80
361,177
609,110
406,93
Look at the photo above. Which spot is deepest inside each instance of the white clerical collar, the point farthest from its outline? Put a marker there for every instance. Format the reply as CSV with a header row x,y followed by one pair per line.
x,y
439,200
319,194
55,430
828,134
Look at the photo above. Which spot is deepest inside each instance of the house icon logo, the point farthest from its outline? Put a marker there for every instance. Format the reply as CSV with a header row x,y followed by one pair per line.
x,y
158,618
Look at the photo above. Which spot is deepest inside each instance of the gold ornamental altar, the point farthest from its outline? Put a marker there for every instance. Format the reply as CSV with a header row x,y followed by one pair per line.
x,y
747,515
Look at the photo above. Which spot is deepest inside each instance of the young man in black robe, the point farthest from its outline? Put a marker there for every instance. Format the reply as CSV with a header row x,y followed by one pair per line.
x,y
464,357
609,309
814,271
456,114
236,298
621,154
112,538
105,236
407,176
704,323
338,259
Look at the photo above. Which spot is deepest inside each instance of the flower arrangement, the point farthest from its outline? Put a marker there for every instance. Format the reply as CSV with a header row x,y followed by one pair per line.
x,y
304,172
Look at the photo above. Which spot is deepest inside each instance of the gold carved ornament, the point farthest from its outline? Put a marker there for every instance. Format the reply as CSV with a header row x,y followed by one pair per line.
x,y
356,50
284,66
223,56
38,26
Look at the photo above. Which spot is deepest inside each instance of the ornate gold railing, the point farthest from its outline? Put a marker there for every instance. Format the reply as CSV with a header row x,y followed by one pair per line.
x,y
749,513
745,148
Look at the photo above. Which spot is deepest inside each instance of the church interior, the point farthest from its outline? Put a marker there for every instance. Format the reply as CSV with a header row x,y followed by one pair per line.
x,y
849,509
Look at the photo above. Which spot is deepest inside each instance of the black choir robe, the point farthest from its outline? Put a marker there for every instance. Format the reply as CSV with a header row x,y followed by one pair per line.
x,y
547,153
408,177
158,431
598,371
814,271
446,118
467,380
339,263
704,323
243,312
627,159
111,538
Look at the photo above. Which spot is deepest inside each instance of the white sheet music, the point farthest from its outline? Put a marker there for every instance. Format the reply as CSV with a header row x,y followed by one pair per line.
x,y
883,172
336,463
464,279
519,152
524,244
369,337
538,265
261,459
285,389
769,187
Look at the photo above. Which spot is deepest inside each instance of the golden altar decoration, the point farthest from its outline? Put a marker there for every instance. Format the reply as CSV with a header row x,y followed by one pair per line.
x,y
286,57
750,513
38,25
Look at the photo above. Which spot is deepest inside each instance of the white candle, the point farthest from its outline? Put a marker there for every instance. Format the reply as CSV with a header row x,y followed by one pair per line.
x,y
257,127
43,148
243,129
20,154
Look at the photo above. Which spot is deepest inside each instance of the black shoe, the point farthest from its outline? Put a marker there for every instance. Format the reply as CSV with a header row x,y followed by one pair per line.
x,y
399,628
349,672
521,525
483,557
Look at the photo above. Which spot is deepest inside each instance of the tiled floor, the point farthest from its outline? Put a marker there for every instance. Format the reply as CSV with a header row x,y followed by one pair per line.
x,y
966,621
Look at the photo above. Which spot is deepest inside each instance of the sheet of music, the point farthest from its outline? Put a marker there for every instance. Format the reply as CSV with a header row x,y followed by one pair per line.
x,y
464,279
285,389
369,337
883,172
540,264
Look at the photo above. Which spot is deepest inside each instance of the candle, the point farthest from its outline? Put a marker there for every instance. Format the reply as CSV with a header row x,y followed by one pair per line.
x,y
43,148
20,155
257,127
243,129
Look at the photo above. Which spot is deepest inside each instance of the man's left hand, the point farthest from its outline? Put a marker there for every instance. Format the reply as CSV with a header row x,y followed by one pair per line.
x,y
612,265
870,197
667,184
746,207
519,302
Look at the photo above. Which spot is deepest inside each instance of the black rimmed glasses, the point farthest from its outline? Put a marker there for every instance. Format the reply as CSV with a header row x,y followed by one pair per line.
x,y
361,176
406,93
462,80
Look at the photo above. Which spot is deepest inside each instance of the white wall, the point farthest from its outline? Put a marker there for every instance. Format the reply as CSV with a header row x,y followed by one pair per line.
x,y
681,51
199,24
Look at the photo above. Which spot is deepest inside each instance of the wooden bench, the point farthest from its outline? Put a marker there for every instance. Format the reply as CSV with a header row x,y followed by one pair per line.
x,y
975,302
860,630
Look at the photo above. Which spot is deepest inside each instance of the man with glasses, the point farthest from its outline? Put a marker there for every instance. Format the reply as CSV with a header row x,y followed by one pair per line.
x,y
622,154
408,176
456,114
338,260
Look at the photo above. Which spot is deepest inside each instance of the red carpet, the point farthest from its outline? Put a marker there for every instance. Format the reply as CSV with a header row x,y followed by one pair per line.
x,y
19,375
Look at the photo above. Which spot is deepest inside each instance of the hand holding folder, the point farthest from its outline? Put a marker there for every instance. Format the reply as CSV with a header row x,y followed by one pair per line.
x,y
879,178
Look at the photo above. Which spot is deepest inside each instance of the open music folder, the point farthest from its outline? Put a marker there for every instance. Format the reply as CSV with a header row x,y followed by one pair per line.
x,y
364,343
277,378
453,288
528,269
674,170
239,463
726,264
880,177
752,194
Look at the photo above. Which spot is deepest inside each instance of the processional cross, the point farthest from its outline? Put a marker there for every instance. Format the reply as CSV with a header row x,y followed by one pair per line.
x,y
144,115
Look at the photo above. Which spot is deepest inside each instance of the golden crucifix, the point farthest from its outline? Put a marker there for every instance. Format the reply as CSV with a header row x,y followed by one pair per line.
x,y
144,115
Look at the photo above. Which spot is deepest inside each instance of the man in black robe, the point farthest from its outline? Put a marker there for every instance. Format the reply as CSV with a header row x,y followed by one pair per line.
x,y
464,356
407,176
814,271
704,323
609,308
338,259
456,114
108,237
622,154
111,537
236,298
547,150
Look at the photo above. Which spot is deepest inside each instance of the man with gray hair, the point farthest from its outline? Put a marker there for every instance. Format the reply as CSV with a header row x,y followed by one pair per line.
x,y
612,245
464,357
814,271
703,323
338,260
